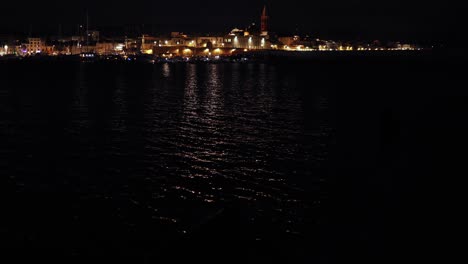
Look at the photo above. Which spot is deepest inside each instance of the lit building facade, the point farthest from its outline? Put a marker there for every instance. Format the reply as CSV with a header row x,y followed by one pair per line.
x,y
6,50
33,46
237,40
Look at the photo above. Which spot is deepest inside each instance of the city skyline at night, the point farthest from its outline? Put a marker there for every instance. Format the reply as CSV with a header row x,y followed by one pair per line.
x,y
417,20
263,131
255,38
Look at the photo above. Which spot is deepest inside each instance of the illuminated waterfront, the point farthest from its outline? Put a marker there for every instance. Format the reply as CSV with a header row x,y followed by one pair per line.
x,y
172,131
246,41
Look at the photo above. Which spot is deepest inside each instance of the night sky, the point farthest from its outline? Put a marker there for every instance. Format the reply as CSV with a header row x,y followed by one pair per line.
x,y
350,19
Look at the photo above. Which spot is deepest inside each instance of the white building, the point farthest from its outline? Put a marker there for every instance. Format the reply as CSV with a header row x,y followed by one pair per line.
x,y
4,50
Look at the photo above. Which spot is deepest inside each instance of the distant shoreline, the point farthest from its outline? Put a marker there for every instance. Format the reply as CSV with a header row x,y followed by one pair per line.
x,y
252,56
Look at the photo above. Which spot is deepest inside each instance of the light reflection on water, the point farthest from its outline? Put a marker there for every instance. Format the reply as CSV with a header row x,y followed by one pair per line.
x,y
163,146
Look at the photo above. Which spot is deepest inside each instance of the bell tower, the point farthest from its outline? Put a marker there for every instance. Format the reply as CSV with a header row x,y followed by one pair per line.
x,y
264,21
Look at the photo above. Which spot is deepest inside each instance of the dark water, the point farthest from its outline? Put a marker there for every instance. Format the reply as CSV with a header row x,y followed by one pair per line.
x,y
320,161
100,157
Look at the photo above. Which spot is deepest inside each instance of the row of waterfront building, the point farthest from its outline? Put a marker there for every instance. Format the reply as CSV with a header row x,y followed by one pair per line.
x,y
180,44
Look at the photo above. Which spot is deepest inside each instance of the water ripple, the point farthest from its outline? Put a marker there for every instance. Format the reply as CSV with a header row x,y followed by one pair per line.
x,y
169,143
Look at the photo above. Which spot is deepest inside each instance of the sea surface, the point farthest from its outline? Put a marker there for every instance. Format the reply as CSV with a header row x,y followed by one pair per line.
x,y
312,161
